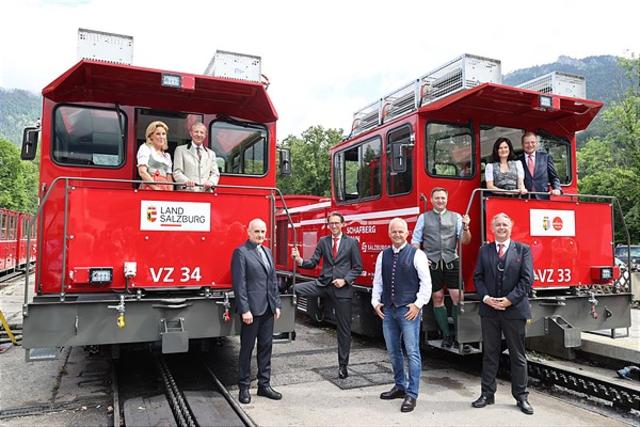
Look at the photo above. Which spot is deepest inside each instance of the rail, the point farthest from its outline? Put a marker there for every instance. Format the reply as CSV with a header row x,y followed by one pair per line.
x,y
618,394
571,196
67,179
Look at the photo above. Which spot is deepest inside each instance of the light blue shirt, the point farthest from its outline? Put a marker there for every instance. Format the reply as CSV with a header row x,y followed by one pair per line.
x,y
416,238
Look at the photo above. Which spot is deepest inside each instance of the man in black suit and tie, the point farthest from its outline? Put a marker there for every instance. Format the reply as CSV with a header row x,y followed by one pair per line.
x,y
503,279
539,170
258,302
341,265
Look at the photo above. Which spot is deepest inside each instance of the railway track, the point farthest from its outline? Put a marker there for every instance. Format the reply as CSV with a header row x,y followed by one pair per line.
x,y
7,277
620,395
180,391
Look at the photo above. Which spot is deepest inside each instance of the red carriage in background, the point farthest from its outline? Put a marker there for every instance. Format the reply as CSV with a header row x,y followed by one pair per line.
x,y
14,234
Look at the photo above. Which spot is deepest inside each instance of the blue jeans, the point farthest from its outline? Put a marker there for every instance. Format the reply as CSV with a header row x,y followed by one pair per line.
x,y
398,330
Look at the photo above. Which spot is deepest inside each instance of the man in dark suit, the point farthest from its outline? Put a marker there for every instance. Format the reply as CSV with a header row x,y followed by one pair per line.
x,y
258,302
539,170
341,265
503,279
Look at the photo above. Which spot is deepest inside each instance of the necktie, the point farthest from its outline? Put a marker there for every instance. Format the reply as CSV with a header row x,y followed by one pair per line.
x,y
531,165
263,256
199,151
501,250
335,247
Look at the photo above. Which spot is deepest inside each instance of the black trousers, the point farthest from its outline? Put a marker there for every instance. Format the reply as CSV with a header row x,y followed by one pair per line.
x,y
262,330
514,332
343,307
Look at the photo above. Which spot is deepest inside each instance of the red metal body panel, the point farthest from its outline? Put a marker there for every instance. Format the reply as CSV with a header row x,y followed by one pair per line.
x,y
165,259
562,257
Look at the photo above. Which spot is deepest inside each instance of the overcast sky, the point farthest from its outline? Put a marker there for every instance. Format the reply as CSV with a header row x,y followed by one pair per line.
x,y
325,59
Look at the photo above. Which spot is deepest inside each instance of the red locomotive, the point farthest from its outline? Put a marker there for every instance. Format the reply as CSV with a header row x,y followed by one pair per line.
x,y
117,264
438,131
14,234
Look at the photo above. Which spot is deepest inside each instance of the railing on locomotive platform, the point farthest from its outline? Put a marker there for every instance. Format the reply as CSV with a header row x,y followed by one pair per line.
x,y
38,216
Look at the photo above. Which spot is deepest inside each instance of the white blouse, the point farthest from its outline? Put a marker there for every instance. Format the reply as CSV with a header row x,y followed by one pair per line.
x,y
154,160
488,170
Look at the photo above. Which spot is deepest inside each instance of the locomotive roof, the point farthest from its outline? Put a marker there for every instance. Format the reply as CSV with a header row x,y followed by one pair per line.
x,y
500,101
104,82
496,103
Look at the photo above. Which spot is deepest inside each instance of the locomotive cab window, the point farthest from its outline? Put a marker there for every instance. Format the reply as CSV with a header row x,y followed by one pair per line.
x,y
560,150
449,150
400,149
357,174
241,148
91,137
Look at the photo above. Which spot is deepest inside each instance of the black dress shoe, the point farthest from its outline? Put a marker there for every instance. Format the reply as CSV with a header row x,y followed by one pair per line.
x,y
394,393
244,396
408,404
343,372
464,348
270,393
483,401
524,406
447,342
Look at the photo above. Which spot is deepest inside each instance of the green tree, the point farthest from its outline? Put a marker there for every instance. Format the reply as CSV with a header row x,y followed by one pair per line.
x,y
610,165
310,162
18,180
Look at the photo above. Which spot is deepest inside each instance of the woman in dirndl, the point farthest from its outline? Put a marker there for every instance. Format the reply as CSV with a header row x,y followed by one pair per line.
x,y
505,172
154,163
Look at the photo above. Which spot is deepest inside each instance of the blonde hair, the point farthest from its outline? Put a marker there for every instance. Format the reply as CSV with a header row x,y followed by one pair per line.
x,y
152,128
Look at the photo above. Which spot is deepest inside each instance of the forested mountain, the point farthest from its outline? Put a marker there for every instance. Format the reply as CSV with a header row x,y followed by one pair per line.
x,y
605,78
18,108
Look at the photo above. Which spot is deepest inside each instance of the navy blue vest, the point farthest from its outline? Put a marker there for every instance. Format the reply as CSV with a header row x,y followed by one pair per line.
x,y
400,280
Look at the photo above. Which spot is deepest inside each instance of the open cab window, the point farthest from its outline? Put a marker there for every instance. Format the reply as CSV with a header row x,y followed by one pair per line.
x,y
558,148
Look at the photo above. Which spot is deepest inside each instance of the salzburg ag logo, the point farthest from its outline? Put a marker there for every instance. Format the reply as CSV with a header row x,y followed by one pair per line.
x,y
545,223
152,214
557,223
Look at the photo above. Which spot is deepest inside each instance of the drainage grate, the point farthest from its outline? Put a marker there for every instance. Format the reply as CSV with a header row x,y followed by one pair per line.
x,y
360,375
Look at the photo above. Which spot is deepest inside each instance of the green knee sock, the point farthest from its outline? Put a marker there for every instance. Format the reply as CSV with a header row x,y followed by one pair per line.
x,y
454,314
442,320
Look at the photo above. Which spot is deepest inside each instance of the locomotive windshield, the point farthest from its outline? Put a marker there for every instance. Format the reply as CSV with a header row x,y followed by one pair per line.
x,y
89,137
